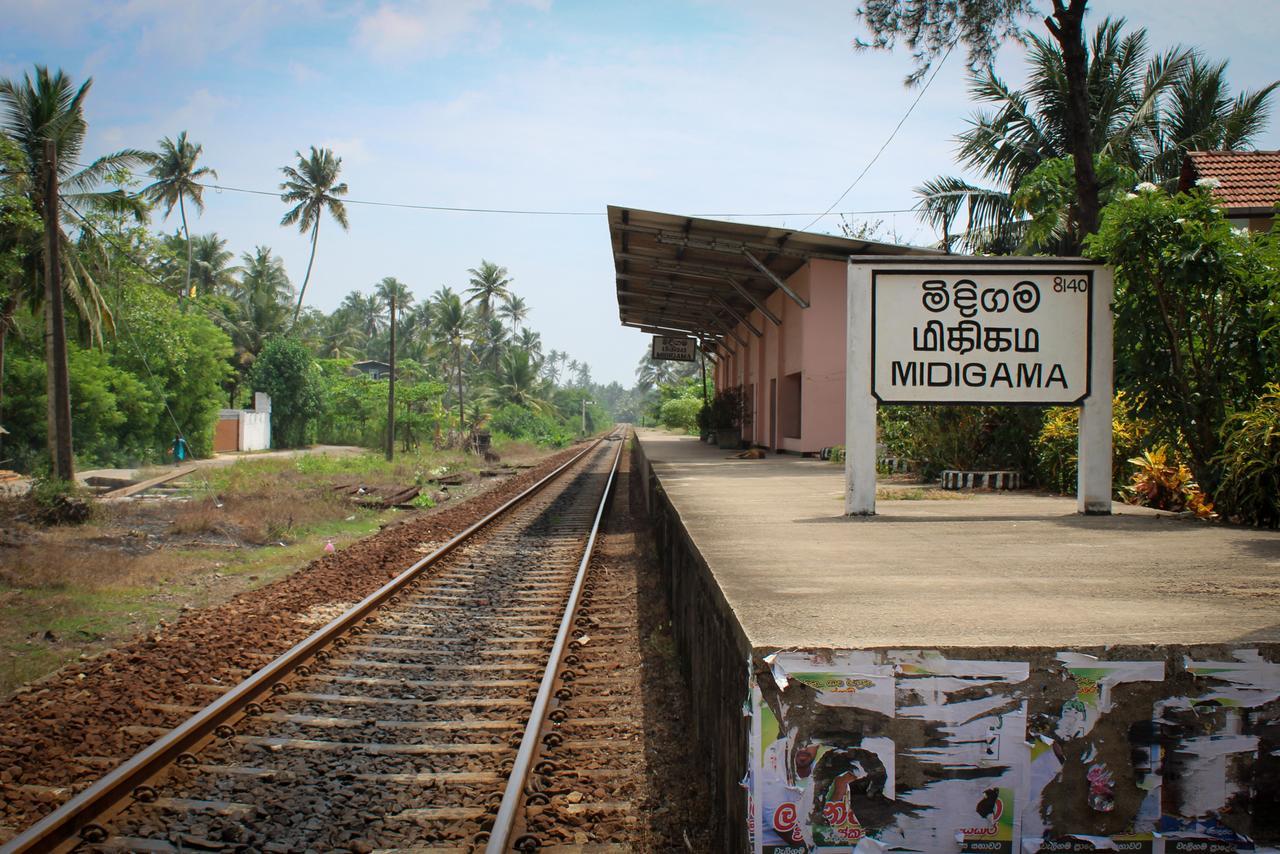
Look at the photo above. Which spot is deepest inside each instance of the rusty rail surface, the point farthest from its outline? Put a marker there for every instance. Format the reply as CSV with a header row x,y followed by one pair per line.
x,y
75,821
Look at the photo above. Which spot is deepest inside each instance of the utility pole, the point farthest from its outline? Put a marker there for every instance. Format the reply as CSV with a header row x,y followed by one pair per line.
x,y
58,380
391,387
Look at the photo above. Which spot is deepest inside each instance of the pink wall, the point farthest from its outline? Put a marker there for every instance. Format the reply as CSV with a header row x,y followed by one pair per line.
x,y
823,345
810,341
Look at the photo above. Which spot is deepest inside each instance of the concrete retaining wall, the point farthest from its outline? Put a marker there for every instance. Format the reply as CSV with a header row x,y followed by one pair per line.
x,y
714,656
1148,748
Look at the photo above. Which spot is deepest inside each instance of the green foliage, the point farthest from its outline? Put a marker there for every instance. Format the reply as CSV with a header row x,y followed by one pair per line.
x,y
1250,463
286,371
182,359
681,413
1163,482
1058,442
962,437
517,422
1195,314
1048,193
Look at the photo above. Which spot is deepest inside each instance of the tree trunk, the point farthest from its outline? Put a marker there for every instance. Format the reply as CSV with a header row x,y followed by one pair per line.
x,y
58,380
461,403
186,282
315,234
391,388
1067,27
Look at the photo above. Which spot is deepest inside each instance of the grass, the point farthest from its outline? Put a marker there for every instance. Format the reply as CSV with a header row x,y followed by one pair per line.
x,y
59,603
71,591
920,493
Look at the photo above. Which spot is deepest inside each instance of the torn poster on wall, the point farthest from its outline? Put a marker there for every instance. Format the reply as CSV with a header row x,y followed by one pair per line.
x,y
911,750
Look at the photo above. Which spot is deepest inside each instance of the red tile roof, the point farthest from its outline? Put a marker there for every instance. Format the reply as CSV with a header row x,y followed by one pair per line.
x,y
1249,179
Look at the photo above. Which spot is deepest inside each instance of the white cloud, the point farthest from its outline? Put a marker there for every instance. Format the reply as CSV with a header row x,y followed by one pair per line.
x,y
352,150
397,32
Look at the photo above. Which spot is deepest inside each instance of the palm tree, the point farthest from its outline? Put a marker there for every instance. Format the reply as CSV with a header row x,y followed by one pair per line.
x,y
261,304
176,180
489,283
531,342
518,381
1198,113
209,265
491,342
1145,114
49,107
551,366
385,290
1032,126
452,325
313,188
515,310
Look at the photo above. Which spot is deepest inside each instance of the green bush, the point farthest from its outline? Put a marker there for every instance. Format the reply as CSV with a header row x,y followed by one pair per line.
x,y
1250,463
681,413
1058,442
962,437
285,370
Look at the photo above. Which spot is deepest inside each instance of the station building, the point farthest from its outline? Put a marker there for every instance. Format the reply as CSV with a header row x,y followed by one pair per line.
x,y
768,305
995,672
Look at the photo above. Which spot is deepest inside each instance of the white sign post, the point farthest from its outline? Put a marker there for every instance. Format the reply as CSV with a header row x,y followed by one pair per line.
x,y
939,329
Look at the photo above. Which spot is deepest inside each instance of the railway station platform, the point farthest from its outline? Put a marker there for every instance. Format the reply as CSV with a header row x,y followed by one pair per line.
x,y
981,672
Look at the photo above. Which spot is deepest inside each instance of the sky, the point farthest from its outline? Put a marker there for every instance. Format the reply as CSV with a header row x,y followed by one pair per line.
x,y
751,109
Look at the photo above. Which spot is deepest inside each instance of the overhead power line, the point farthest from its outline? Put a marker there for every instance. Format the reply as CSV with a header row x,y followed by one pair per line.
x,y
537,212
892,134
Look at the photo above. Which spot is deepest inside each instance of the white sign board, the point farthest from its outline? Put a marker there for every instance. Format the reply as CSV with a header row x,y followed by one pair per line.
x,y
953,329
998,335
674,349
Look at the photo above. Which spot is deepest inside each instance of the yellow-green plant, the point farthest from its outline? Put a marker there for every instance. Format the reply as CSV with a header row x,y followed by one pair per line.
x,y
1250,462
1165,483
1056,445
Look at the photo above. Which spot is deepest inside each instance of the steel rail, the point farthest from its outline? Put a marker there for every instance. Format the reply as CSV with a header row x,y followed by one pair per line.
x,y
504,822
67,825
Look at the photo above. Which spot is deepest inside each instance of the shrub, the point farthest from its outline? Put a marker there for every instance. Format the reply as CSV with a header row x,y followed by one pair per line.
x,y
1250,462
962,437
681,414
285,370
1057,443
1167,484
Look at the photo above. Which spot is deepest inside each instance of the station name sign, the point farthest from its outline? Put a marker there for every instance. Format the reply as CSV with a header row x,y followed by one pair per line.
x,y
674,348
996,335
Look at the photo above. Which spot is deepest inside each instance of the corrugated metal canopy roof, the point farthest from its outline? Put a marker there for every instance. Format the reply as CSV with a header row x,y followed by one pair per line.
x,y
704,276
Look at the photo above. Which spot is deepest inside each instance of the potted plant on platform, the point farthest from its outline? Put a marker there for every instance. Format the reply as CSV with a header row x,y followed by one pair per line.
x,y
728,415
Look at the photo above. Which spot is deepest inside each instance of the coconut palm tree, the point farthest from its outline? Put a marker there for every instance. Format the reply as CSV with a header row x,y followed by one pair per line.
x,y
36,111
177,179
452,327
385,290
258,308
210,271
1198,113
489,284
514,309
551,367
313,188
1145,114
50,107
1031,126
517,381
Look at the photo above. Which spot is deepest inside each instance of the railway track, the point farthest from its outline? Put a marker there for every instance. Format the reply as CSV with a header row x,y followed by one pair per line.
x,y
475,701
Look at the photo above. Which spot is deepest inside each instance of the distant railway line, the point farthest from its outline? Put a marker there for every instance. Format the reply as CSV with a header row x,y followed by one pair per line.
x,y
477,700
